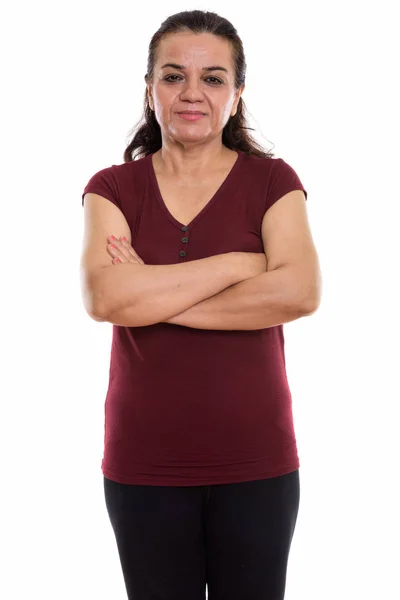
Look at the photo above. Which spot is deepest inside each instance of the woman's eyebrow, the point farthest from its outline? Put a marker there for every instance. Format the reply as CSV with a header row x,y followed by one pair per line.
x,y
182,67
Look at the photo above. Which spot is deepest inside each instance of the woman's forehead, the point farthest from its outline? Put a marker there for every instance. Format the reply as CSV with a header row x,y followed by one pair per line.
x,y
184,48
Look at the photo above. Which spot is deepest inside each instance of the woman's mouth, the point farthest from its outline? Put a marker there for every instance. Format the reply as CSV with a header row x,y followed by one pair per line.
x,y
191,116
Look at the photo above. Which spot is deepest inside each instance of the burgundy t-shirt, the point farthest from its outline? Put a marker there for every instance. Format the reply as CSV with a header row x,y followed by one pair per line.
x,y
185,406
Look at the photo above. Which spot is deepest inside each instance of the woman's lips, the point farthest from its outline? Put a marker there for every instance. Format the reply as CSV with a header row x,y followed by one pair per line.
x,y
191,116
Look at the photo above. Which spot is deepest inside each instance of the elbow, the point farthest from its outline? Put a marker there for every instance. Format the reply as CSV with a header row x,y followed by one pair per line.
x,y
93,300
310,291
309,308
102,292
97,318
310,304
93,310
101,311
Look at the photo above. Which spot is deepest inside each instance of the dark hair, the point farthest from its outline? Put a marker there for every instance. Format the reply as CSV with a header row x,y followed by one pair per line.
x,y
147,137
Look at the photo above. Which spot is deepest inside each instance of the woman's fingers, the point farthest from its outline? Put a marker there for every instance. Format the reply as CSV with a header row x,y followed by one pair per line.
x,y
118,251
129,248
122,251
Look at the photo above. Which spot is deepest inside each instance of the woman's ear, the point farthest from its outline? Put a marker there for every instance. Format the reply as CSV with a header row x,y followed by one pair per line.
x,y
149,98
236,103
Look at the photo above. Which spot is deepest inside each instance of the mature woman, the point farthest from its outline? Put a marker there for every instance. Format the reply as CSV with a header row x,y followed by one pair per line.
x,y
209,253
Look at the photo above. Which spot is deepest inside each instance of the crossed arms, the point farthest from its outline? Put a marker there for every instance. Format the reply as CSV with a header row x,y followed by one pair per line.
x,y
288,290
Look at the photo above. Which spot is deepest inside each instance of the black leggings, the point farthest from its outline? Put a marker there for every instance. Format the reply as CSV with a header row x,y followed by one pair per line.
x,y
234,537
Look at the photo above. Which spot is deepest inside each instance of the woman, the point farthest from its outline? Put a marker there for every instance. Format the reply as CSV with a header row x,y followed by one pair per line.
x,y
212,253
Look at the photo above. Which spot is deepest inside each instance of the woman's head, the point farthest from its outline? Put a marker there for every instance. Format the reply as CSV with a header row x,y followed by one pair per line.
x,y
180,82
193,40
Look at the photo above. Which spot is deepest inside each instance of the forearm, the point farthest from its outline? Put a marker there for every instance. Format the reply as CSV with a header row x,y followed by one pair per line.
x,y
140,295
267,300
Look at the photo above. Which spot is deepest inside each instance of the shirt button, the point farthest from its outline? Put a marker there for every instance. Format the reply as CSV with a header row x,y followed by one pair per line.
x,y
182,253
185,240
184,228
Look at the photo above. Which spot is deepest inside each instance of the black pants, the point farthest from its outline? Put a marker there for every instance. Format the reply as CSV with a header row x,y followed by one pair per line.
x,y
235,538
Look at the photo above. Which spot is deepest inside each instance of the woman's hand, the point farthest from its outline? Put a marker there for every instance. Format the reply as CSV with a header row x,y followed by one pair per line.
x,y
122,251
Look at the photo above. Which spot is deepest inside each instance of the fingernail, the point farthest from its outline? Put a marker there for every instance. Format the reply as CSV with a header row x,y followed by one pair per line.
x,y
123,239
113,237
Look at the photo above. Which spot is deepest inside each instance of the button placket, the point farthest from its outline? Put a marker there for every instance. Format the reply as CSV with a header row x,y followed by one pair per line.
x,y
184,240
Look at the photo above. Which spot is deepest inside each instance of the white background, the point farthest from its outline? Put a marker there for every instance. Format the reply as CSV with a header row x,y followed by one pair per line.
x,y
321,92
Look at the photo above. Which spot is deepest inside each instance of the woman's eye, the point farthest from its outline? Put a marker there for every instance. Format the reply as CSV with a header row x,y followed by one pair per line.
x,y
167,78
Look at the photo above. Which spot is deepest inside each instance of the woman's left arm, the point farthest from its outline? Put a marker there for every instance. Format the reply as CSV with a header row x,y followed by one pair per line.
x,y
288,290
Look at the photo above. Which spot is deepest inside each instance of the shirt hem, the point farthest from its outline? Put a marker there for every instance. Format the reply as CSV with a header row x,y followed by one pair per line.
x,y
182,481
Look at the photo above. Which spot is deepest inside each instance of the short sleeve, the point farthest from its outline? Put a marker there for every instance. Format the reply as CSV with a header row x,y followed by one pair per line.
x,y
283,180
105,184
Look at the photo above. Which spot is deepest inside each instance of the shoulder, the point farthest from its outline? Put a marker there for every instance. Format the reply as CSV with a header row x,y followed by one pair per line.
x,y
116,181
270,166
275,176
135,166
125,174
263,170
281,178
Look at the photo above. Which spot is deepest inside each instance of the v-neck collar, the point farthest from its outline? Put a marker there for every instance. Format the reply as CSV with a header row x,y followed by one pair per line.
x,y
222,188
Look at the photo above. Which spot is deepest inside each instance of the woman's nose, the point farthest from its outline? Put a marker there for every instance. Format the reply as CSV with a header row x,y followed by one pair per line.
x,y
191,90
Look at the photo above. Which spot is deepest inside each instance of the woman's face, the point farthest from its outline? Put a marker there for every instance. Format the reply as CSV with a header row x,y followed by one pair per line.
x,y
189,86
